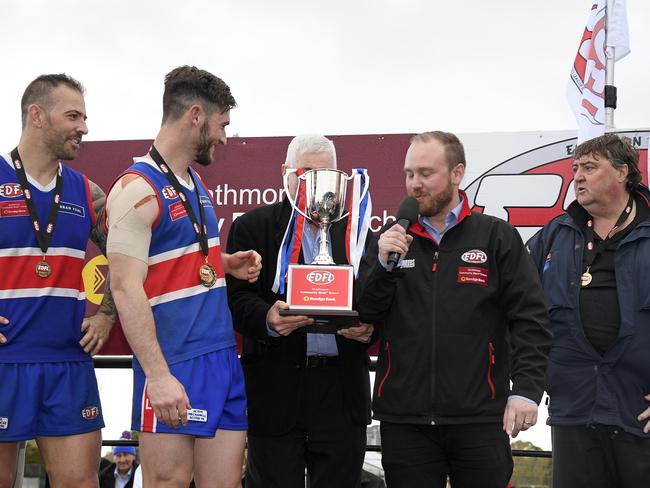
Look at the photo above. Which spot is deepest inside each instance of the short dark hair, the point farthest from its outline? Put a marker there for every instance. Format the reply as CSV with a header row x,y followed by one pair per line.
x,y
619,151
186,85
40,90
454,150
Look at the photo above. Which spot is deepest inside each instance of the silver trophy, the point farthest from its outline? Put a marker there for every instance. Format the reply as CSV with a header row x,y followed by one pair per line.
x,y
325,194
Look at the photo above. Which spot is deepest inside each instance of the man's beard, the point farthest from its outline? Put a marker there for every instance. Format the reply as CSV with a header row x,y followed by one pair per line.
x,y
62,153
56,144
203,146
432,205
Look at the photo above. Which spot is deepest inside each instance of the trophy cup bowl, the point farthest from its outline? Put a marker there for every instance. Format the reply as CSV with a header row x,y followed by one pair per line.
x,y
322,289
325,194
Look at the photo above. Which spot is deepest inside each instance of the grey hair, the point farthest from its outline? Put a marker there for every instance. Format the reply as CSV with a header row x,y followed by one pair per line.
x,y
309,143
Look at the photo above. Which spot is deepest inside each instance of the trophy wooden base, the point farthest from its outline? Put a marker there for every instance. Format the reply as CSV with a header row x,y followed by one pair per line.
x,y
326,321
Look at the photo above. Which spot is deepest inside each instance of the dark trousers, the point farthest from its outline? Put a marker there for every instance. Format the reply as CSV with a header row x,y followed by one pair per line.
x,y
323,440
472,455
599,456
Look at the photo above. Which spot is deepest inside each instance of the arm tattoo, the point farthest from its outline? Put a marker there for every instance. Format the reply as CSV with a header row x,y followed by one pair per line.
x,y
107,307
98,236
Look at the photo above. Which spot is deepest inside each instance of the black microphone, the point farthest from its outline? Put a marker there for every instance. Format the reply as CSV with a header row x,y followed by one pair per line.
x,y
406,215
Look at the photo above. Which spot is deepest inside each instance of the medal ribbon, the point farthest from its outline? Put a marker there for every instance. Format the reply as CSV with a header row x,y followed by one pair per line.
x,y
201,228
592,250
43,236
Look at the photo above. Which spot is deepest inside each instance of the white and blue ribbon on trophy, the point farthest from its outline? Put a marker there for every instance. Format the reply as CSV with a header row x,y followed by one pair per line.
x,y
360,211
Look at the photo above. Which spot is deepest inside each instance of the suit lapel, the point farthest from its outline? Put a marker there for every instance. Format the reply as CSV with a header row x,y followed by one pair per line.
x,y
337,234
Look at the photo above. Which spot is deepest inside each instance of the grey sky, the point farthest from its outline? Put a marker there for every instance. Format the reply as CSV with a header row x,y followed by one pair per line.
x,y
338,67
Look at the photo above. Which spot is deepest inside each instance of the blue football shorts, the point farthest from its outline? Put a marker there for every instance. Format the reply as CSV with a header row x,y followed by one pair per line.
x,y
48,399
214,383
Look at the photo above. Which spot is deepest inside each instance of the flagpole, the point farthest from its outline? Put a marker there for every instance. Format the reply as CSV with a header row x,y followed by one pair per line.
x,y
610,89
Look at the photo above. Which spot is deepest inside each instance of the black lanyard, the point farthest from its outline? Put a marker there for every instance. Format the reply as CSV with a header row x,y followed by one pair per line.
x,y
44,236
200,229
592,250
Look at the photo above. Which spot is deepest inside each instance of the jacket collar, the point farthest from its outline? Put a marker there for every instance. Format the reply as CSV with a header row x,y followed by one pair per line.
x,y
577,216
418,229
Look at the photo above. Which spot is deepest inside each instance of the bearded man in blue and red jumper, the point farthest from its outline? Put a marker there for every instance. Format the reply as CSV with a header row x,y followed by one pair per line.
x,y
168,279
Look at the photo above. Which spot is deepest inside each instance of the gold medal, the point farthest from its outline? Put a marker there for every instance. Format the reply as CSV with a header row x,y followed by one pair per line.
x,y
207,275
43,269
586,278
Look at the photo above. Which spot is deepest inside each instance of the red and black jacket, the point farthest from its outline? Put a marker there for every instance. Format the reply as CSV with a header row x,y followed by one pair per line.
x,y
458,320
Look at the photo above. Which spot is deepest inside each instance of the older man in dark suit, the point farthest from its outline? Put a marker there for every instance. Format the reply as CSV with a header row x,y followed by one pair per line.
x,y
308,394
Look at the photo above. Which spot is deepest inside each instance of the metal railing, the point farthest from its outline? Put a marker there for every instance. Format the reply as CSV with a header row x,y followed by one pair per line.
x,y
124,362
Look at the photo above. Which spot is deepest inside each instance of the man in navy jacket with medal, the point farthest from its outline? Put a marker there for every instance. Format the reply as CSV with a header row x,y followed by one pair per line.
x,y
594,262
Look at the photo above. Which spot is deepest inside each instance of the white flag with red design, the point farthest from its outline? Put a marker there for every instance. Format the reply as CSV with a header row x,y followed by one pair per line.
x,y
586,88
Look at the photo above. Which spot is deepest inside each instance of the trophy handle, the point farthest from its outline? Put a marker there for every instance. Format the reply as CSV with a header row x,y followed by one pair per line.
x,y
285,183
363,194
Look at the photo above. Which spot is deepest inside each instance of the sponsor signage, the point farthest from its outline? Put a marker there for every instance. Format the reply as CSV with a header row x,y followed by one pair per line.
x,y
471,275
177,211
16,208
475,256
319,287
90,413
169,193
11,190
197,415
73,209
522,177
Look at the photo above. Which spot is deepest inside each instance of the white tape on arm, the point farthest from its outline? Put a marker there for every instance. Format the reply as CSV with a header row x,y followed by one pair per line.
x,y
128,205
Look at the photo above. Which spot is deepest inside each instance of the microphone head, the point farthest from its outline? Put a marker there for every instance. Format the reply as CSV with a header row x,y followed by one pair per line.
x,y
408,210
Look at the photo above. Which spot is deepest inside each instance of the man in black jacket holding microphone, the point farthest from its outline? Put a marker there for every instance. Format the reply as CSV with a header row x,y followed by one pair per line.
x,y
460,315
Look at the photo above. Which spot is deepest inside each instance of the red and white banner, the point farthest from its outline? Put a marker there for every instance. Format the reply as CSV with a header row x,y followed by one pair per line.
x,y
586,87
522,177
